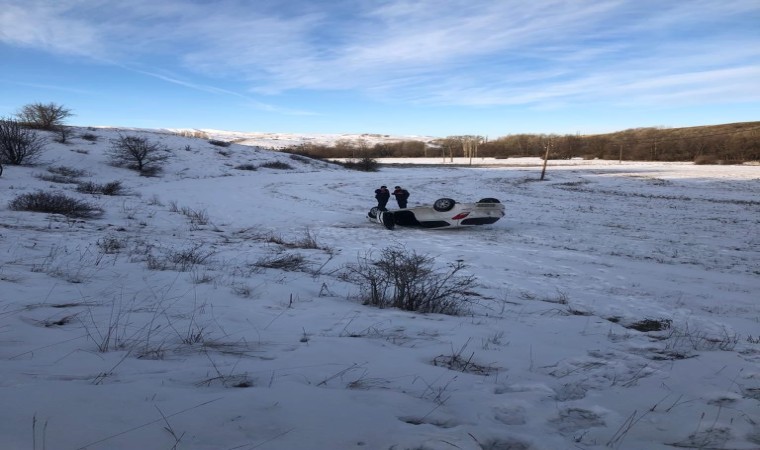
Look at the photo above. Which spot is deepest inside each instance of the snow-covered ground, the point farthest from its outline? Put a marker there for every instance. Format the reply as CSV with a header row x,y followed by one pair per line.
x,y
157,326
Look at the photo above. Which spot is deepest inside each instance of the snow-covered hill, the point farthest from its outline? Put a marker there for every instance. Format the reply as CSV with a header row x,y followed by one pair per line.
x,y
283,140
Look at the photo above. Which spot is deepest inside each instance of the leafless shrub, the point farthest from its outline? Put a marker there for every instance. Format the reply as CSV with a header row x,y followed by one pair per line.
x,y
53,178
219,143
190,257
307,241
277,165
366,164
43,116
180,260
110,188
291,262
55,203
197,217
110,244
404,279
138,153
69,172
63,134
19,145
90,137
246,166
647,325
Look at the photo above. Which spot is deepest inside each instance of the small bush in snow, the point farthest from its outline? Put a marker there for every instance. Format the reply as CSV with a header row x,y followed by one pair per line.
x,y
308,241
290,262
277,165
180,260
246,166
19,145
197,217
404,279
54,203
67,171
62,174
219,143
138,153
365,164
648,325
110,244
112,188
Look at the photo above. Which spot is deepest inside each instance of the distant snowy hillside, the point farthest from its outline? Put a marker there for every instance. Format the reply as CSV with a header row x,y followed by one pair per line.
x,y
283,140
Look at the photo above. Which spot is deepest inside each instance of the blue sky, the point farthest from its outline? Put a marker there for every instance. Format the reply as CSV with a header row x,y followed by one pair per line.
x,y
408,67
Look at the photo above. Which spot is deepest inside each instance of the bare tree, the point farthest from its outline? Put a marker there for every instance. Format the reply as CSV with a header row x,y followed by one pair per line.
x,y
138,153
44,116
19,145
470,146
570,146
448,144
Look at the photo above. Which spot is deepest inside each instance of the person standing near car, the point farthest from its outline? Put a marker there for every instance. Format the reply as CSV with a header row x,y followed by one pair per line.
x,y
382,195
402,195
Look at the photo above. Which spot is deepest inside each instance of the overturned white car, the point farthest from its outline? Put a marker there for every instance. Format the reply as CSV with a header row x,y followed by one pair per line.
x,y
444,213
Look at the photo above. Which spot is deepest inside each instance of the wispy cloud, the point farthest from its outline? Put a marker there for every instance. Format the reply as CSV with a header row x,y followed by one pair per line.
x,y
44,26
452,52
50,87
250,102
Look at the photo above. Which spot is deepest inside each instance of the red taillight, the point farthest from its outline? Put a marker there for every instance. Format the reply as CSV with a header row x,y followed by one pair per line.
x,y
460,216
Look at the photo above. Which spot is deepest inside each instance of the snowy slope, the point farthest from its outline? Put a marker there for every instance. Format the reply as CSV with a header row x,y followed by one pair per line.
x,y
158,326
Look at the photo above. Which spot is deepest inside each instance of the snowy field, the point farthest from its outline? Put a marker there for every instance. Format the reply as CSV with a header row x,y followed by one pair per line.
x,y
616,307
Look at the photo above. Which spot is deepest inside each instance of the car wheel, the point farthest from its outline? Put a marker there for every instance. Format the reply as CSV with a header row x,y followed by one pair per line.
x,y
388,220
372,214
443,204
489,200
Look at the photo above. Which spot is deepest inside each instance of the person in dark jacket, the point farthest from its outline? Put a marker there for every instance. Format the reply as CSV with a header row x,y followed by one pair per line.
x,y
382,195
402,195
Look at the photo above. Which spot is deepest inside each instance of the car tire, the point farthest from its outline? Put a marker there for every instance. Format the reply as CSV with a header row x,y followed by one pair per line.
x,y
443,204
489,200
372,214
388,220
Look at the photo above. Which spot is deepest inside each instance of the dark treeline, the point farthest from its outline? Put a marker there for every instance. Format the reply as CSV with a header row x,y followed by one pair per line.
x,y
360,149
732,143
